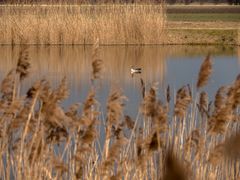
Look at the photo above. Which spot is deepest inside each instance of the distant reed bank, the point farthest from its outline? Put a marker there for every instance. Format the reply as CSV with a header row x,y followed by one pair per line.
x,y
81,24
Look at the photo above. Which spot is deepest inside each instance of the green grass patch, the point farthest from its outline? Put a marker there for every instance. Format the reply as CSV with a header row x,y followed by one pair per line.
x,y
203,36
230,17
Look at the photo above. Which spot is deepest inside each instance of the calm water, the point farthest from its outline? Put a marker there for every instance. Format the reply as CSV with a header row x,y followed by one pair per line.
x,y
174,65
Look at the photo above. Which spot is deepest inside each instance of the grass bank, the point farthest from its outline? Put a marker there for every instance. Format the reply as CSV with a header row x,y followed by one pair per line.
x,y
71,24
203,36
203,24
226,17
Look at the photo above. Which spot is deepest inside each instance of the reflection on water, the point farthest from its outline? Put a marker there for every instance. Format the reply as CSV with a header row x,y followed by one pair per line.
x,y
174,65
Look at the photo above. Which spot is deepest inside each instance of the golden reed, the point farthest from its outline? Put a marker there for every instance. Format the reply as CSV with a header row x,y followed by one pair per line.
x,y
81,24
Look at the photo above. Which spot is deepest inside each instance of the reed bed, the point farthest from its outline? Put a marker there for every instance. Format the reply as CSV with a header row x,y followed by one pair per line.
x,y
191,139
81,24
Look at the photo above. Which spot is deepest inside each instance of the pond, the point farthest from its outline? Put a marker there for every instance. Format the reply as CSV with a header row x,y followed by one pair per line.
x,y
167,65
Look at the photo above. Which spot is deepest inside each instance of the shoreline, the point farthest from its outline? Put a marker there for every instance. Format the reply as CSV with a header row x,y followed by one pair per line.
x,y
201,36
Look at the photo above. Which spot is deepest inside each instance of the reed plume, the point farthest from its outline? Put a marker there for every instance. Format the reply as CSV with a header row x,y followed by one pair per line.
x,y
183,99
148,107
115,106
220,98
205,72
223,113
203,103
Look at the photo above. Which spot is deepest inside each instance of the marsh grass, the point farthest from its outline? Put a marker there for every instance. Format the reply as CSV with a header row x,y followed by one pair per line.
x,y
39,139
81,24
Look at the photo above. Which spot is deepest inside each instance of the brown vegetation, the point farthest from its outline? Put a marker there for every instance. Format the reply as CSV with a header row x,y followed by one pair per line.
x,y
112,24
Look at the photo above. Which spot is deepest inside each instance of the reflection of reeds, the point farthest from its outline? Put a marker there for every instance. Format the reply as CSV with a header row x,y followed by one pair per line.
x,y
114,24
75,63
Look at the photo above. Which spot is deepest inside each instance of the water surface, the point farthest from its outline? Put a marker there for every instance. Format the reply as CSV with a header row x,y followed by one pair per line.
x,y
173,65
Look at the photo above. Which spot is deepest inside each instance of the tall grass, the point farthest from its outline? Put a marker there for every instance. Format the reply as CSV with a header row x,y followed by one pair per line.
x,y
81,24
194,139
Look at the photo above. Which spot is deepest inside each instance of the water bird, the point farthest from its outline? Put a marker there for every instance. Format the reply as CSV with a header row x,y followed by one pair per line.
x,y
135,70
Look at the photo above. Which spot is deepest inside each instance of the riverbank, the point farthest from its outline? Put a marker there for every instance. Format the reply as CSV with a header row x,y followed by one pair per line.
x,y
209,33
203,24
119,24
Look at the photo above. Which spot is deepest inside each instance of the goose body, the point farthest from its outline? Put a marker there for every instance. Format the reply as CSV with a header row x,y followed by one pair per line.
x,y
136,70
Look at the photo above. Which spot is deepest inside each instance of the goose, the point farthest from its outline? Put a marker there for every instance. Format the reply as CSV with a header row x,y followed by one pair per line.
x,y
135,70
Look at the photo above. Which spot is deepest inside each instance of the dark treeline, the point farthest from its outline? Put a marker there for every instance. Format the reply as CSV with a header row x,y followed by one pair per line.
x,y
236,2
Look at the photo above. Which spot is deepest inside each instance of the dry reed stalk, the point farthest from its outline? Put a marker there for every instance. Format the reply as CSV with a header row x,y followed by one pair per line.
x,y
107,167
87,134
205,72
25,130
115,104
160,121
